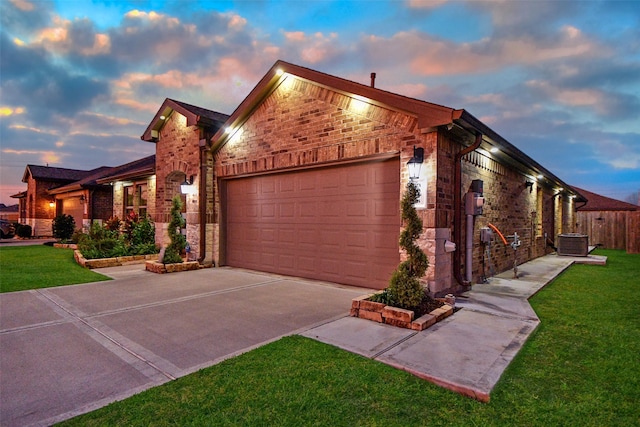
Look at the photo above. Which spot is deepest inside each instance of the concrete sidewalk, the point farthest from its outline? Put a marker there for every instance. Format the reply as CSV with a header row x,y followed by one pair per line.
x,y
466,352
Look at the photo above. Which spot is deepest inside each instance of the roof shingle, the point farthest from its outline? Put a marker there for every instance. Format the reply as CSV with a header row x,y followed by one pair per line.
x,y
596,202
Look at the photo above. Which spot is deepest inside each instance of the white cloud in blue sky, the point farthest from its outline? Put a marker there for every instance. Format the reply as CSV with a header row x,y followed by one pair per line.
x,y
80,80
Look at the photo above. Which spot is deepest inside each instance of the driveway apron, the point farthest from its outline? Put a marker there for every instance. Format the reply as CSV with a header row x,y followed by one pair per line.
x,y
69,350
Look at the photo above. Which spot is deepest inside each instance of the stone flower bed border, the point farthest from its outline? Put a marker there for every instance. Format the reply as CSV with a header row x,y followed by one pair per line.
x,y
111,262
160,268
378,312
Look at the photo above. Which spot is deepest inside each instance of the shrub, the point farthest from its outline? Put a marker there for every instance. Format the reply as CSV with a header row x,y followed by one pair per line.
x,y
114,223
142,232
108,241
178,241
23,230
405,289
63,227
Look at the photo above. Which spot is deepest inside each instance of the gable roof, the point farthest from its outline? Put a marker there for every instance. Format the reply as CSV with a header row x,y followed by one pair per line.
x,y
429,116
48,173
88,181
137,169
208,119
596,202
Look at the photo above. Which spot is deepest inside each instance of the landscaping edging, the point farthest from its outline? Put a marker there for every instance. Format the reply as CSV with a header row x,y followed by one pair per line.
x,y
158,267
111,262
378,312
65,245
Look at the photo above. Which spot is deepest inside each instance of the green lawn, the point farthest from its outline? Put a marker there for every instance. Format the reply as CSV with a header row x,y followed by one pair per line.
x,y
579,368
40,266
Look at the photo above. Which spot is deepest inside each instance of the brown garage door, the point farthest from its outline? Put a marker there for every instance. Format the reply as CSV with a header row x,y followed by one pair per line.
x,y
73,207
339,224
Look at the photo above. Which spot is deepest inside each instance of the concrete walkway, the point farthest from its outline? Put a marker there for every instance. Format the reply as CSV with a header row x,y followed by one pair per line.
x,y
69,350
466,352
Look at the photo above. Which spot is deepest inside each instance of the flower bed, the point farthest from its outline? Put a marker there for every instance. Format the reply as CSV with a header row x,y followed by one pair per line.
x,y
379,312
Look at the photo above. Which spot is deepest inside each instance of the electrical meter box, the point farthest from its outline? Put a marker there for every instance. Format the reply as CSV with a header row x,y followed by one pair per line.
x,y
477,186
486,234
473,203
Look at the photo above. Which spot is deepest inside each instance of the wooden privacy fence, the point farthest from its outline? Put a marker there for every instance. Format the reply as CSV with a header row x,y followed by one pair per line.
x,y
611,229
633,232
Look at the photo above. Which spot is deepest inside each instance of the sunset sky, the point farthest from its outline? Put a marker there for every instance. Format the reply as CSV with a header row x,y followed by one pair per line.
x,y
81,80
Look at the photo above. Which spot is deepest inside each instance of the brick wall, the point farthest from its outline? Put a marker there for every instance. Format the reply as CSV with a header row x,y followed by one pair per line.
x,y
302,124
102,204
38,212
177,157
511,207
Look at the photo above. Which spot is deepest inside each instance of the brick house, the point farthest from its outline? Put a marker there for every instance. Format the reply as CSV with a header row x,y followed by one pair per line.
x,y
44,200
181,133
609,223
305,178
88,196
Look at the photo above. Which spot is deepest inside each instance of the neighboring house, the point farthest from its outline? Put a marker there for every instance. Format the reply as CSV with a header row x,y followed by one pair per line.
x,y
88,196
85,200
609,223
305,179
38,206
182,133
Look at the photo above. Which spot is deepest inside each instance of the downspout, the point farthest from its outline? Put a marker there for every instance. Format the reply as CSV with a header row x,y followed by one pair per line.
x,y
91,202
457,207
202,201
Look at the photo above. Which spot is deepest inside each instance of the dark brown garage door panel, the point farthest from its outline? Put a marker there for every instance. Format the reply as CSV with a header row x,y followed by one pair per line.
x,y
338,224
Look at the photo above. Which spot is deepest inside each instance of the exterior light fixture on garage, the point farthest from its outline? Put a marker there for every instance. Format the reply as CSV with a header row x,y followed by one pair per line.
x,y
186,187
415,163
52,203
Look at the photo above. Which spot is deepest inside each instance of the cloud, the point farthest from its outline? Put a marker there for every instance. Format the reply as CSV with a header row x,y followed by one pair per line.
x,y
312,48
426,4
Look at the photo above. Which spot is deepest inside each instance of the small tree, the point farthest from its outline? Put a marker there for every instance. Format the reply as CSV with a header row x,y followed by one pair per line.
x,y
178,241
404,288
63,227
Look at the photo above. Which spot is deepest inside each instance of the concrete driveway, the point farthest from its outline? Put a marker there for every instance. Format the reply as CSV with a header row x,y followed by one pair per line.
x,y
68,350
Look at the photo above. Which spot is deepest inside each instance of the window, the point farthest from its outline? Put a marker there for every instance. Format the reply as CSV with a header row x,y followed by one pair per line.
x,y
136,199
539,209
128,200
142,199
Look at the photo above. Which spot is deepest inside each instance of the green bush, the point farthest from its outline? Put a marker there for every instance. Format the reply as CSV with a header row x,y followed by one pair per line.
x,y
23,230
142,232
405,289
172,254
63,227
114,223
107,242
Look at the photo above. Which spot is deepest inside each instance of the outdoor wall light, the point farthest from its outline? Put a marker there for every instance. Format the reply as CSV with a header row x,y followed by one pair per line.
x,y
415,163
82,199
530,185
185,187
52,203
